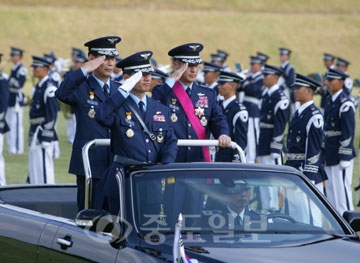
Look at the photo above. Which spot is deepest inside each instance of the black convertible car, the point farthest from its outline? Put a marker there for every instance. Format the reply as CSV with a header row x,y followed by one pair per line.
x,y
174,211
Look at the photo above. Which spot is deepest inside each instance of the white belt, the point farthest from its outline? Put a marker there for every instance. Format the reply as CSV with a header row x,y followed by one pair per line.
x,y
37,120
266,125
332,133
295,156
14,90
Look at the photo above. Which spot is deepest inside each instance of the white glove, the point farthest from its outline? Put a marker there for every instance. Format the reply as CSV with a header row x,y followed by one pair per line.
x,y
44,145
130,83
13,82
344,164
275,155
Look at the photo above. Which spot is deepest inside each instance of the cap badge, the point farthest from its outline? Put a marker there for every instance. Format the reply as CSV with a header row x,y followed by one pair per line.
x,y
112,40
145,56
194,47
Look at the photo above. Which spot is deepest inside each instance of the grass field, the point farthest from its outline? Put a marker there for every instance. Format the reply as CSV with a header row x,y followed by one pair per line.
x,y
240,27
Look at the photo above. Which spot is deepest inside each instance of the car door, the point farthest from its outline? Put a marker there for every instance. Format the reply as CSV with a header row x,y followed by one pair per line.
x,y
74,244
20,230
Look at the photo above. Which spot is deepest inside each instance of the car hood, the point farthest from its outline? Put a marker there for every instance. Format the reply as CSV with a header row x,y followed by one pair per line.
x,y
337,250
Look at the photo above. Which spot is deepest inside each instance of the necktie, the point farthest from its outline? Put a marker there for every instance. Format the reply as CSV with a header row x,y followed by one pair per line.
x,y
238,220
106,90
188,91
142,110
221,104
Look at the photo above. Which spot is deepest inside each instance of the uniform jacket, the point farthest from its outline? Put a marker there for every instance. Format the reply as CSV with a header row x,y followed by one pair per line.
x,y
253,88
273,119
16,82
43,112
212,119
4,102
237,118
128,138
85,95
137,144
339,129
304,141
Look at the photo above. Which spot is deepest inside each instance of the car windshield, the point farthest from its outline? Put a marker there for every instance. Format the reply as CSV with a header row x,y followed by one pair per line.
x,y
228,200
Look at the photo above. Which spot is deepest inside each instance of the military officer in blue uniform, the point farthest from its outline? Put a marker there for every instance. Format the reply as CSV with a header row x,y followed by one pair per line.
x,y
4,101
211,73
274,116
55,77
253,89
305,133
158,77
117,74
339,129
15,113
141,128
224,55
236,114
195,111
304,150
263,57
274,108
79,58
343,64
286,81
85,89
43,115
329,62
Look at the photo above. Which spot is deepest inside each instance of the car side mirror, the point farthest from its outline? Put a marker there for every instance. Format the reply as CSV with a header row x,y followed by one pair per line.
x,y
353,218
101,221
94,220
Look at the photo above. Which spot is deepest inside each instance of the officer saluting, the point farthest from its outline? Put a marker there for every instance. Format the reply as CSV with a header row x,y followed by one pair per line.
x,y
85,94
195,112
141,128
339,115
305,133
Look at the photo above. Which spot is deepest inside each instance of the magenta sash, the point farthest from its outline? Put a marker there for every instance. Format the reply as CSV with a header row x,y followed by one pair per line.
x,y
189,110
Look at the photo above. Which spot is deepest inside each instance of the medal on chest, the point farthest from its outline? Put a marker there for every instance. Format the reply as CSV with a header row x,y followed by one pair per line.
x,y
203,121
91,112
129,132
92,96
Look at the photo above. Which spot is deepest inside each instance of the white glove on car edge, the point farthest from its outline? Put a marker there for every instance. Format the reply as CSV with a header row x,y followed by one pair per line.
x,y
275,155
